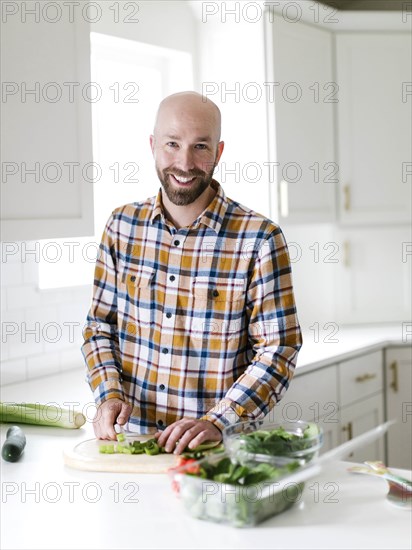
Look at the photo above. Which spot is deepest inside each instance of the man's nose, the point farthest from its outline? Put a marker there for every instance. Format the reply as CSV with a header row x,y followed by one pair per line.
x,y
185,159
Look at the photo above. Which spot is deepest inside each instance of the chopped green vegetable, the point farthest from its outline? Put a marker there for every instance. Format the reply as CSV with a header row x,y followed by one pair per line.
x,y
234,473
151,447
138,447
41,415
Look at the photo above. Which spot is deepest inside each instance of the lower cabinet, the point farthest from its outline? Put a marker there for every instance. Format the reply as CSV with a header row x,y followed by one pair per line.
x,y
346,399
398,384
358,418
313,397
361,403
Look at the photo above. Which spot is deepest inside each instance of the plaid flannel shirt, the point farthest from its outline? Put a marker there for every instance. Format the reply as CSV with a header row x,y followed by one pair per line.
x,y
192,322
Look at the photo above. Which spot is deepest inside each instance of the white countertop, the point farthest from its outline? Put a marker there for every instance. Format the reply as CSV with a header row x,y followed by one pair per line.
x,y
48,505
335,343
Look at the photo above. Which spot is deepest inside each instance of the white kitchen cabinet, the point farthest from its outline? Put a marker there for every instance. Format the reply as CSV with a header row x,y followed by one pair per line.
x,y
361,402
374,274
345,399
300,68
358,418
374,121
398,395
312,397
47,175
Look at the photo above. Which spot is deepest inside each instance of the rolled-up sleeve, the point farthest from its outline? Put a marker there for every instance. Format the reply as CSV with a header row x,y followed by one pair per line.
x,y
101,344
274,334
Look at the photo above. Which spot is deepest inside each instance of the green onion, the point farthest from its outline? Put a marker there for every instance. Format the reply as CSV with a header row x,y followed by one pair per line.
x,y
151,447
41,415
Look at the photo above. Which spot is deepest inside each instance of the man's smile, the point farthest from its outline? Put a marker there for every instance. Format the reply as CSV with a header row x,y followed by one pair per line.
x,y
183,181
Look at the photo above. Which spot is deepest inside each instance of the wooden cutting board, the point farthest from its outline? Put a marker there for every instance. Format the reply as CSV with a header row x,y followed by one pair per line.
x,y
86,456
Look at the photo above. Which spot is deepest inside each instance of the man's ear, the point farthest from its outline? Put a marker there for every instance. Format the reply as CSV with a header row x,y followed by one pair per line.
x,y
220,147
152,143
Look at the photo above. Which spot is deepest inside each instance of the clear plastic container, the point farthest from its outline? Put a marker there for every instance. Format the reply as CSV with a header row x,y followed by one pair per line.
x,y
261,440
236,504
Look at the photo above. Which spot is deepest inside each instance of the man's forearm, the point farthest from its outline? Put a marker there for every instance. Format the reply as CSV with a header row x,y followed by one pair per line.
x,y
101,353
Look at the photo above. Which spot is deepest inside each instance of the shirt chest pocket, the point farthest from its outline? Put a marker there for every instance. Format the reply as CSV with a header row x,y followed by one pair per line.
x,y
139,293
218,308
218,291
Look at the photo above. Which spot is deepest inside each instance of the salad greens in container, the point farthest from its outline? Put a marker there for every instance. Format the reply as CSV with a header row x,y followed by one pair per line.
x,y
260,439
221,489
248,482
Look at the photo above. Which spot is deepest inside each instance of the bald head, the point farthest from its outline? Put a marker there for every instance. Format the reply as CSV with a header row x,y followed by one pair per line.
x,y
196,109
186,147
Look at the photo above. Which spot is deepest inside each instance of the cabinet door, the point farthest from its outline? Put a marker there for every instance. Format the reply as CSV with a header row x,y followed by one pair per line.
x,y
374,120
374,276
46,150
358,418
304,99
310,397
398,371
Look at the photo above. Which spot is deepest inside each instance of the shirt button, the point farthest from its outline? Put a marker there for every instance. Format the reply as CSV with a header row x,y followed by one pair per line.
x,y
215,293
172,278
160,422
133,278
168,314
176,243
162,387
165,350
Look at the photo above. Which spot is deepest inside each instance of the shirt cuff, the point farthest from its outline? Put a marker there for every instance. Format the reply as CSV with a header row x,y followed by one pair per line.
x,y
225,413
108,389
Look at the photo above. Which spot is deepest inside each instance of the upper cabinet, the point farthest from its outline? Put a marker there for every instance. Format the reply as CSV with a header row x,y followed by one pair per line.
x,y
342,118
47,171
304,99
374,121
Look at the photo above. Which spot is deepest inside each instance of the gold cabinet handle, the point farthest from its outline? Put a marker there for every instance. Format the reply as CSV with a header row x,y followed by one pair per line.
x,y
346,253
365,377
394,384
348,428
346,197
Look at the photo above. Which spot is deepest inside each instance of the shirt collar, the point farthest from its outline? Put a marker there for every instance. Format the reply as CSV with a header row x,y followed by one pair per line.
x,y
212,216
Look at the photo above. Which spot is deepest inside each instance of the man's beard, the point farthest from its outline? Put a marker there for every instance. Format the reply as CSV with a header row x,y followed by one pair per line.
x,y
181,196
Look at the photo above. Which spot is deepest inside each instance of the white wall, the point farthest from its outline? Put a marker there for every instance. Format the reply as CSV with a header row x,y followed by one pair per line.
x,y
231,72
41,330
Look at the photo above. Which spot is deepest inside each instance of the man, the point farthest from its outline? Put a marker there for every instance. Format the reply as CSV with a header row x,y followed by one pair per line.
x,y
193,323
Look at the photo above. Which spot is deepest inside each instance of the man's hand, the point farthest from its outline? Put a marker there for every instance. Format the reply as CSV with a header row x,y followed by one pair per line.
x,y
108,414
189,432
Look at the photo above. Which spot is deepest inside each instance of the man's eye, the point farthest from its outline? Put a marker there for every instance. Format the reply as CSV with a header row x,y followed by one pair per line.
x,y
201,146
172,144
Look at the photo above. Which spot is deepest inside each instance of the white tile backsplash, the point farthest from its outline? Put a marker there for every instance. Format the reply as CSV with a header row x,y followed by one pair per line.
x,y
41,329
11,274
42,365
12,372
3,298
23,296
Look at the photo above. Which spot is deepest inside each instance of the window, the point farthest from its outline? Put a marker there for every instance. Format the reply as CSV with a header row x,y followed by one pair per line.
x,y
129,80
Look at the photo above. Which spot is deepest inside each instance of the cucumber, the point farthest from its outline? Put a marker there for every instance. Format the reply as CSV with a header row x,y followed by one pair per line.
x,y
311,430
14,445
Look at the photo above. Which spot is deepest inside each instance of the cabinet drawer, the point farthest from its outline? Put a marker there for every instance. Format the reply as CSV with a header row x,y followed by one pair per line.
x,y
310,397
360,377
